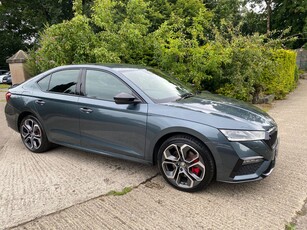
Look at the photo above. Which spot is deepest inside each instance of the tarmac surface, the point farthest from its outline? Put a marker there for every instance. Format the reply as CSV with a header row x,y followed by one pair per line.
x,y
69,189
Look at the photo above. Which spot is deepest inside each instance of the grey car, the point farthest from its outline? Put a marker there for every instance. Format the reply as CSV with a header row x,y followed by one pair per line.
x,y
3,74
140,114
7,79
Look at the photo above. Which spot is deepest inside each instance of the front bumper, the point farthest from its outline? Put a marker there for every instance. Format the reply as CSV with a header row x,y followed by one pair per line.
x,y
247,161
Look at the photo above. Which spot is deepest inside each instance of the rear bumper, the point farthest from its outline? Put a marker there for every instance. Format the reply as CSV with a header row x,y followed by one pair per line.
x,y
11,117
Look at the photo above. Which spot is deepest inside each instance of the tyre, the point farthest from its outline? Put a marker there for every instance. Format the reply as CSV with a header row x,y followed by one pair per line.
x,y
186,163
33,135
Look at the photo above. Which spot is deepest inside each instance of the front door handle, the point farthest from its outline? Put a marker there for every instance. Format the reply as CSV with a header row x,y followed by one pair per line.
x,y
40,102
86,110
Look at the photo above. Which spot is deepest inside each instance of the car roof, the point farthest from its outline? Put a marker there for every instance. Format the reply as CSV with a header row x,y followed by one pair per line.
x,y
118,67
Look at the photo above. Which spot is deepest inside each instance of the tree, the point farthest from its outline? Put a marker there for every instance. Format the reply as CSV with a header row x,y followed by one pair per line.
x,y
269,13
228,10
291,14
21,21
280,16
262,7
123,28
70,42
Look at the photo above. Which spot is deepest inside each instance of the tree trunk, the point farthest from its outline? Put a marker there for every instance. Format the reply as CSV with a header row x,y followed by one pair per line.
x,y
269,12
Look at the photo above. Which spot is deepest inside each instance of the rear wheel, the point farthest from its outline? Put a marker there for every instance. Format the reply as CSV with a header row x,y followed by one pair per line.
x,y
186,163
33,135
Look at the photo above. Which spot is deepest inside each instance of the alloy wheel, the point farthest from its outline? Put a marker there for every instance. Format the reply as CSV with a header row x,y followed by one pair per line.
x,y
183,165
31,134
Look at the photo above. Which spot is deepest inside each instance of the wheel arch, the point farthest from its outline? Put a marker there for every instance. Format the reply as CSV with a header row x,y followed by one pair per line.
x,y
25,113
192,134
22,116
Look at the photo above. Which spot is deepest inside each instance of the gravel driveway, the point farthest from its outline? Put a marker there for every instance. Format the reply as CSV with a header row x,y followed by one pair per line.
x,y
68,189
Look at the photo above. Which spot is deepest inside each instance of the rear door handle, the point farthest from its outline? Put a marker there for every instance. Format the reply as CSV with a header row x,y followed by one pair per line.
x,y
86,110
40,102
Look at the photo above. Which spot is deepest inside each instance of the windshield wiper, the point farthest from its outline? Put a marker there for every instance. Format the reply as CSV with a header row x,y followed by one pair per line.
x,y
185,95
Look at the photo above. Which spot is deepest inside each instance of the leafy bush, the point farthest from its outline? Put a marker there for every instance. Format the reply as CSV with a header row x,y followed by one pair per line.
x,y
281,76
70,42
254,68
123,30
242,73
176,36
177,48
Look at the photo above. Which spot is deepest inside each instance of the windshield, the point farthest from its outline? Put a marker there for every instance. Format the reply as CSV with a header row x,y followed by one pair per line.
x,y
156,85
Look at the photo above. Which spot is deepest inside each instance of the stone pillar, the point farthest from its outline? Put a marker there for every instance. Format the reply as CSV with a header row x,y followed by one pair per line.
x,y
17,67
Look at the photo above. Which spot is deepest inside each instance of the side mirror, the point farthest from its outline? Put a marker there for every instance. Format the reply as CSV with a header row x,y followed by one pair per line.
x,y
125,98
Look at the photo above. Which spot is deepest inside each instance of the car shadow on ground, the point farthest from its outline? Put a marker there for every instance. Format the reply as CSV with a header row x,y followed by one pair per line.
x,y
88,160
83,161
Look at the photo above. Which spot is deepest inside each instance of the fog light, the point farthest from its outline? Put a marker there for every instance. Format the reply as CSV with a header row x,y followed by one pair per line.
x,y
252,160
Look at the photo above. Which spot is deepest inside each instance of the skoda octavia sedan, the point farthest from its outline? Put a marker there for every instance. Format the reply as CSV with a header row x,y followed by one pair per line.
x,y
140,114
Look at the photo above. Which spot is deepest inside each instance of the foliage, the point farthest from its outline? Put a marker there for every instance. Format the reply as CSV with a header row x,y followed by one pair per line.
x,y
291,14
281,15
123,35
253,22
77,7
69,42
243,72
180,46
227,10
254,66
181,37
120,193
20,21
9,45
290,226
281,76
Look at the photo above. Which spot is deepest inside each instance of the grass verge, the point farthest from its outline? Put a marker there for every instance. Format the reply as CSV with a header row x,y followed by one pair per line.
x,y
4,86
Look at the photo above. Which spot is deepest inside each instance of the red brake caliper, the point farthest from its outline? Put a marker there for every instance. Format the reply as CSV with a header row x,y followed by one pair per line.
x,y
195,169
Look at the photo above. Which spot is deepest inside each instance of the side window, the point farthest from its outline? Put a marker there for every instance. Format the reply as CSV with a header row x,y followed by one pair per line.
x,y
44,83
102,85
64,81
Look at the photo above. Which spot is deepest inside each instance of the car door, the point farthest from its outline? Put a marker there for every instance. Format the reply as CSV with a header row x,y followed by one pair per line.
x,y
57,106
106,126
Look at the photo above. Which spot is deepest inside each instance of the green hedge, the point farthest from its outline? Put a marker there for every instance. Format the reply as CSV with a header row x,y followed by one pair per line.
x,y
280,77
252,74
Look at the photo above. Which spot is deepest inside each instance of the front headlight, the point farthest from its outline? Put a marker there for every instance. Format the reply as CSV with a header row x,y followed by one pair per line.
x,y
244,135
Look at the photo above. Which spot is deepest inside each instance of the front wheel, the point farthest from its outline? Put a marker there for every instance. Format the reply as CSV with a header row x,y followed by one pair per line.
x,y
33,135
186,163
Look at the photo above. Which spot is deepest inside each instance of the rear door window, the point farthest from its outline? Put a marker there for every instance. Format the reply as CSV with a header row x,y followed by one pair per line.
x,y
64,81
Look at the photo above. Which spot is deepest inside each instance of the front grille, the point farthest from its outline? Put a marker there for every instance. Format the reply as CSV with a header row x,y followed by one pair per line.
x,y
246,169
272,140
